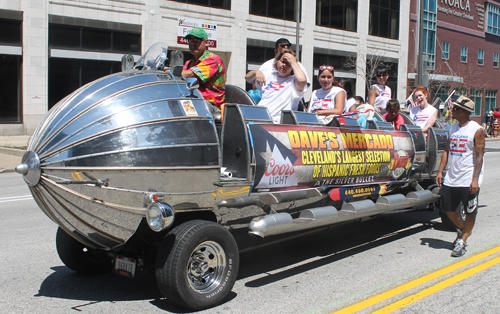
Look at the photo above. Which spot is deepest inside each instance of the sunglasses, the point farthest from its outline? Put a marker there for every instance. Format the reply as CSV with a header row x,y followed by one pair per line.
x,y
194,40
326,67
285,45
455,108
382,75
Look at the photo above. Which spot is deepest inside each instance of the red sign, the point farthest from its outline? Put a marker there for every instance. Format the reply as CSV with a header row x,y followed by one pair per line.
x,y
183,41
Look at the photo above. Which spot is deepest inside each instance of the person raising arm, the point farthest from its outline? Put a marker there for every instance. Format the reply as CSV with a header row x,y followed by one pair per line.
x,y
285,86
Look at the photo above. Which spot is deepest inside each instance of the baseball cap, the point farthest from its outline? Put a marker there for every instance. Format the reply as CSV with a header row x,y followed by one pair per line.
x,y
197,32
282,41
464,103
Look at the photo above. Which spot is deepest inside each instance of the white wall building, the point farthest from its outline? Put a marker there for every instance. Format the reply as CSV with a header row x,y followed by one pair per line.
x,y
50,47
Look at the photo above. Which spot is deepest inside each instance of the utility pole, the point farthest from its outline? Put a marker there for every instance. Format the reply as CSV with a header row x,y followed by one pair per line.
x,y
297,29
422,77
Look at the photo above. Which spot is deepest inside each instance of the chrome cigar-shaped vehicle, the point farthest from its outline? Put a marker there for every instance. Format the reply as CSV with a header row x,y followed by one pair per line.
x,y
139,174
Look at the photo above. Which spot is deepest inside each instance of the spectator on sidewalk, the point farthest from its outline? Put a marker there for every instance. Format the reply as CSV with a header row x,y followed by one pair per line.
x,y
463,158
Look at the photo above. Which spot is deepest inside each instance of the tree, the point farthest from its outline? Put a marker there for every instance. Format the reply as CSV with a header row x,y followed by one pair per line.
x,y
373,61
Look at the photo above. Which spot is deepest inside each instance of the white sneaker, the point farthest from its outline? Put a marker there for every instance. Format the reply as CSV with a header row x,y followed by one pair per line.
x,y
459,249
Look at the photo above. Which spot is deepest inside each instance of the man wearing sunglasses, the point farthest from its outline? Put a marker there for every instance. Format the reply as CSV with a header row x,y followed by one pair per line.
x,y
379,94
463,157
207,67
281,44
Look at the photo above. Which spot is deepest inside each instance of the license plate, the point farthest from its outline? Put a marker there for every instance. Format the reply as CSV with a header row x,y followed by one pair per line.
x,y
125,266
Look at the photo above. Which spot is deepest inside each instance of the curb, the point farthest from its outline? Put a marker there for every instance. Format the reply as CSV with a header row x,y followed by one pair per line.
x,y
7,170
12,151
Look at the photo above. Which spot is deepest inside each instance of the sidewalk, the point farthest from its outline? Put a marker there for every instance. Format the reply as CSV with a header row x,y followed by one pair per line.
x,y
10,154
11,157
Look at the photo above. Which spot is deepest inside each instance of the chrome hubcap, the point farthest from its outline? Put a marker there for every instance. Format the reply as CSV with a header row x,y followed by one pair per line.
x,y
206,267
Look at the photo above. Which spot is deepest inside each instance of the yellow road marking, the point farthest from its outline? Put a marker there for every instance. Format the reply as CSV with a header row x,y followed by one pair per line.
x,y
448,282
415,283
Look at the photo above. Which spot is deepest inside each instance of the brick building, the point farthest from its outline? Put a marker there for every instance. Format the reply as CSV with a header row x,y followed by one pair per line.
x,y
462,45
50,48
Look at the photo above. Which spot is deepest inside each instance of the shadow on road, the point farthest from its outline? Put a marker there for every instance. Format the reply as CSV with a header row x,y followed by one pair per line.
x,y
324,247
332,245
66,284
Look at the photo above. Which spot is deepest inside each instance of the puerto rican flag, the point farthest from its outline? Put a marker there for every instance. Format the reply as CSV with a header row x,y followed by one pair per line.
x,y
410,101
275,86
326,102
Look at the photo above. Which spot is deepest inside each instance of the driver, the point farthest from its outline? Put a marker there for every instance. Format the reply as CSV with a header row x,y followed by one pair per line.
x,y
207,67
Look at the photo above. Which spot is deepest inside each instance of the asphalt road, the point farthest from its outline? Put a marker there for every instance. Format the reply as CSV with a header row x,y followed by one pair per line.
x,y
319,273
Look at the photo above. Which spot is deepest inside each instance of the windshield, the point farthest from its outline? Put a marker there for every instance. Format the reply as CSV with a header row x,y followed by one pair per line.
x,y
154,58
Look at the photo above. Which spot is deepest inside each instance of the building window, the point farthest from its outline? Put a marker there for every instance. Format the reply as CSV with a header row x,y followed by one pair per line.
x,y
66,75
93,39
441,92
384,18
11,32
476,95
339,14
493,19
495,59
430,13
280,9
220,4
480,57
445,54
463,54
339,63
11,78
490,100
10,89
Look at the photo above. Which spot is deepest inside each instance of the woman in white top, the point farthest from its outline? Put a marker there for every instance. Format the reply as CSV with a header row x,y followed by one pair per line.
x,y
379,94
423,114
330,99
285,85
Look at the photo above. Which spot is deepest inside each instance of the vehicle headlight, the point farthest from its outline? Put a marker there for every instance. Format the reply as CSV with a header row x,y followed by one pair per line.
x,y
160,216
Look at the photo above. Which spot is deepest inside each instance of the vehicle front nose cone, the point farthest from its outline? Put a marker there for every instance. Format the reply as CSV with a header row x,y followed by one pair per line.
x,y
22,169
30,168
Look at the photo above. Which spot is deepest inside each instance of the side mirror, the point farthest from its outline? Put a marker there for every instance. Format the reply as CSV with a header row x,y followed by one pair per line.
x,y
192,84
127,63
176,58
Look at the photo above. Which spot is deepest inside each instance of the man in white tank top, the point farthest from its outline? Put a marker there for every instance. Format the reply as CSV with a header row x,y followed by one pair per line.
x,y
463,157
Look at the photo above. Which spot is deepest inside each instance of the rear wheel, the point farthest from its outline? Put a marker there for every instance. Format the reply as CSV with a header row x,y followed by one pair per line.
x,y
197,264
80,258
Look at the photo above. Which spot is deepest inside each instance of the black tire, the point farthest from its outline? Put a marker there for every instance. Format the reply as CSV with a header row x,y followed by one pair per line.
x,y
80,258
197,264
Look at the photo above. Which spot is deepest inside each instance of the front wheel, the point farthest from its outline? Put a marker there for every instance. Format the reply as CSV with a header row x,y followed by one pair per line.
x,y
80,258
197,264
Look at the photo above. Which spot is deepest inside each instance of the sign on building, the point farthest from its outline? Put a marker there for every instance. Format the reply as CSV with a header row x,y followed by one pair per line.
x,y
185,25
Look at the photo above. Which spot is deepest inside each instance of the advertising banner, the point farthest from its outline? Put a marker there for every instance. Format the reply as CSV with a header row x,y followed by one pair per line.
x,y
298,157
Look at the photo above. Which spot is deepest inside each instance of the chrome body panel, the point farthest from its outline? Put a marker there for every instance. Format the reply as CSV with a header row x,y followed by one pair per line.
x,y
100,150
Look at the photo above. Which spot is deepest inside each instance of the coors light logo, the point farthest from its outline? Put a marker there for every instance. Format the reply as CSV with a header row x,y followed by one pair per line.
x,y
279,172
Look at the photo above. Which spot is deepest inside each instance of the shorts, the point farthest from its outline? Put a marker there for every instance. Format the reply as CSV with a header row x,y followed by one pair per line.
x,y
453,197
